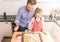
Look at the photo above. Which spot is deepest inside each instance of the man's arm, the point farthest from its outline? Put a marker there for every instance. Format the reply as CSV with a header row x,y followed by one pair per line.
x,y
18,17
16,27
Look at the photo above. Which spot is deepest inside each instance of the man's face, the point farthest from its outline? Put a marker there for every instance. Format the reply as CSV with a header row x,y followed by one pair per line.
x,y
30,7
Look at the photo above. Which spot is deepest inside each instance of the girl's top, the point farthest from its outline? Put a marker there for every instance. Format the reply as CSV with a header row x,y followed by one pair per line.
x,y
37,25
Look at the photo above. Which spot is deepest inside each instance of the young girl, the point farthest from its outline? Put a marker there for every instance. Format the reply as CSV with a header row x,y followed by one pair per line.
x,y
36,24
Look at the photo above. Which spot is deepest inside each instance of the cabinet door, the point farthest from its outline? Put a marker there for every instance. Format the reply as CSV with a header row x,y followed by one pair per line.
x,y
56,33
7,28
47,26
1,32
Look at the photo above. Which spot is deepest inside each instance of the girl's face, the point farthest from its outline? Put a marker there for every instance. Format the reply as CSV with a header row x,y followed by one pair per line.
x,y
38,14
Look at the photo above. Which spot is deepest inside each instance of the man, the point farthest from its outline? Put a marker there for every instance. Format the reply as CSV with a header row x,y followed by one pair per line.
x,y
25,13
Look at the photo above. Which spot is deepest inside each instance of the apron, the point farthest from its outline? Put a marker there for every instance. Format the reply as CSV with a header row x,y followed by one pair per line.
x,y
37,26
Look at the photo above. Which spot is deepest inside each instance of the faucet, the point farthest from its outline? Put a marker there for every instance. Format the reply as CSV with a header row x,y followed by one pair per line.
x,y
5,15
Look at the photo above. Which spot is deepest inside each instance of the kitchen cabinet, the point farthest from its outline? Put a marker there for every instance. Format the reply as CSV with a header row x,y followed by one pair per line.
x,y
56,33
53,29
1,36
7,29
48,26
1,33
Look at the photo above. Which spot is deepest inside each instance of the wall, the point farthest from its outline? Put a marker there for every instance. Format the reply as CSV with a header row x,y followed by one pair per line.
x,y
11,7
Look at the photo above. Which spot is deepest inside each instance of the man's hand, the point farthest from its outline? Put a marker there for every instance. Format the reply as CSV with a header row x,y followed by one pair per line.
x,y
16,28
27,31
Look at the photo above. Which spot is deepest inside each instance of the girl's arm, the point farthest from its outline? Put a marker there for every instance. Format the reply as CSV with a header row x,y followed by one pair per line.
x,y
43,26
43,23
30,25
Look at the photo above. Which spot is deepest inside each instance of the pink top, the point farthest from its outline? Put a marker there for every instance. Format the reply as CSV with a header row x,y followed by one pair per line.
x,y
37,26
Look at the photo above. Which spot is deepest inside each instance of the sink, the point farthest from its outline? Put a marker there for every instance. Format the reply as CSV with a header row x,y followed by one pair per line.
x,y
58,22
9,18
1,17
58,18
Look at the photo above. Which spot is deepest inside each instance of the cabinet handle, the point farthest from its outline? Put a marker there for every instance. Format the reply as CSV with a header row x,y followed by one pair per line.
x,y
55,36
6,22
56,30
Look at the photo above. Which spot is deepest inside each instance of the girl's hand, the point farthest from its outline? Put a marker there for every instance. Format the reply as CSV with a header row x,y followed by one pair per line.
x,y
44,33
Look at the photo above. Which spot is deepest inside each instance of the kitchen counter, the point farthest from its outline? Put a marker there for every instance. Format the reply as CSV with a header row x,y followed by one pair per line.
x,y
57,22
9,18
45,38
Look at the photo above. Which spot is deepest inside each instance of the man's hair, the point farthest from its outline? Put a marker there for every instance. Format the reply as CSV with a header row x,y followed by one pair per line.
x,y
32,2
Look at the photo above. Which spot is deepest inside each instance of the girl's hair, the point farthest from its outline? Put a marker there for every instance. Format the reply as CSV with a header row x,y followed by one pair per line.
x,y
37,10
